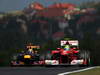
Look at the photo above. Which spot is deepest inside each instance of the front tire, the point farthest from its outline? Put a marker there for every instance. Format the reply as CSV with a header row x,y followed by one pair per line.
x,y
85,55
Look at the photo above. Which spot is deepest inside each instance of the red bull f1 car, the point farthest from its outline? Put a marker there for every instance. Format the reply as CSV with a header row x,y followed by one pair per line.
x,y
28,57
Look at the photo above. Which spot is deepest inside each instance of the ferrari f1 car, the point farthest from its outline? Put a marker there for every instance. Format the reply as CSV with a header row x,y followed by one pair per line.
x,y
28,57
71,56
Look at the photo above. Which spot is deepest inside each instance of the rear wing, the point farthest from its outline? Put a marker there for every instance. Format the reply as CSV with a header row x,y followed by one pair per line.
x,y
72,42
38,47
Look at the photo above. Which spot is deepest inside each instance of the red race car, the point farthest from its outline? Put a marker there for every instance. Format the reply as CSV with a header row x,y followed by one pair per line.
x,y
70,56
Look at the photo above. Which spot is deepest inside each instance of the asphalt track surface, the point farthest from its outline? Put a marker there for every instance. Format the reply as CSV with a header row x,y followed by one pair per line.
x,y
37,70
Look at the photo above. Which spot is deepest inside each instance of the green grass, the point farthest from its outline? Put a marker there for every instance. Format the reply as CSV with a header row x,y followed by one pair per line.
x,y
95,71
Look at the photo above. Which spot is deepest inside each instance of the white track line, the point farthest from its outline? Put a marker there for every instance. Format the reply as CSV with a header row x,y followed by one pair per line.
x,y
65,73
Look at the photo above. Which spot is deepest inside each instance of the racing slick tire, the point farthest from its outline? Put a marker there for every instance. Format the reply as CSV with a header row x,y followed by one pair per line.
x,y
85,55
56,56
13,60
